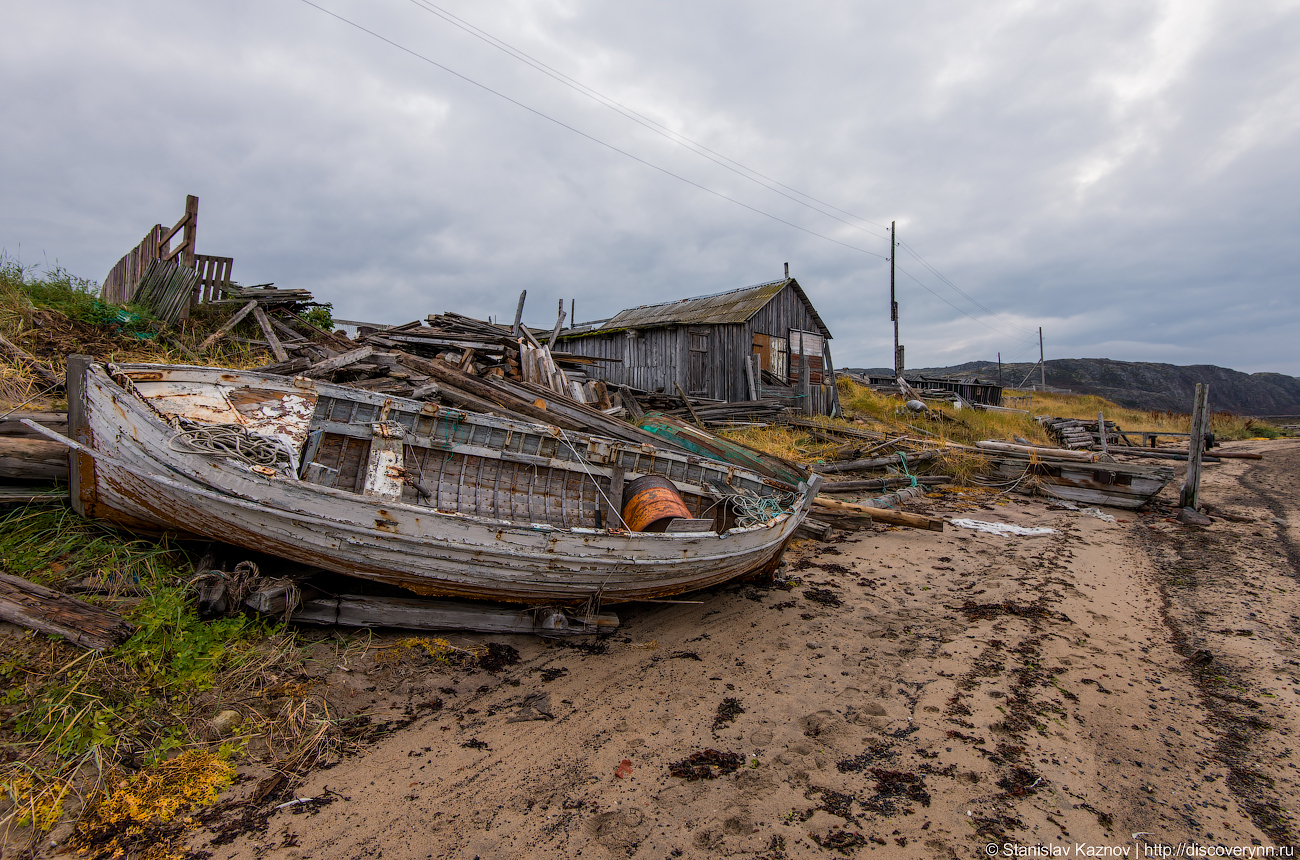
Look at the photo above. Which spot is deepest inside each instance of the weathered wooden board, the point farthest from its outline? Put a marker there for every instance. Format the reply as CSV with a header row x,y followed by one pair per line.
x,y
350,610
880,515
877,462
39,608
33,459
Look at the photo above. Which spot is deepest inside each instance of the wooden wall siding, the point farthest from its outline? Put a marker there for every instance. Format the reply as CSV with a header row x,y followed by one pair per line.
x,y
784,312
119,286
658,359
653,360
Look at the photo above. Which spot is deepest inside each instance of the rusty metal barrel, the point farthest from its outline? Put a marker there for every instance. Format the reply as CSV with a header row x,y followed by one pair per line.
x,y
651,503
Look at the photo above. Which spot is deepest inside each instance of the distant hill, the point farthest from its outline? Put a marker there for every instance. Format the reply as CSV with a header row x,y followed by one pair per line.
x,y
1144,385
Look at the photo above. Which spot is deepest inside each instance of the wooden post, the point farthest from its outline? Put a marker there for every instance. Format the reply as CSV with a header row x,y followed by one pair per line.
x,y
689,407
79,481
1101,430
749,377
559,321
269,333
893,303
1189,498
828,372
757,368
616,474
805,379
190,234
1042,363
519,314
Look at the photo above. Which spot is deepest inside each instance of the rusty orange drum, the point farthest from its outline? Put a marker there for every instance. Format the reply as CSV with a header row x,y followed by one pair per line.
x,y
652,502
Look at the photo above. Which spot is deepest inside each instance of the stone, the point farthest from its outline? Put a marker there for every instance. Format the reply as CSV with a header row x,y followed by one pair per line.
x,y
226,722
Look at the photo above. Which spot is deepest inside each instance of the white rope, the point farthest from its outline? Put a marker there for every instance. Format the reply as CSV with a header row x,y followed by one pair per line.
x,y
228,440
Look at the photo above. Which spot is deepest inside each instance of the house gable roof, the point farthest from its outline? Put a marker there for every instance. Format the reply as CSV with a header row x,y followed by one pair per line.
x,y
733,306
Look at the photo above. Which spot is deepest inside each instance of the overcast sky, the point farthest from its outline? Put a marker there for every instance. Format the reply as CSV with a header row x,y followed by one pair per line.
x,y
1124,174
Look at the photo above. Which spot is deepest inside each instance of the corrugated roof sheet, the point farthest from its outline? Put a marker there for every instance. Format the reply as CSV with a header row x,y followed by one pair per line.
x,y
733,306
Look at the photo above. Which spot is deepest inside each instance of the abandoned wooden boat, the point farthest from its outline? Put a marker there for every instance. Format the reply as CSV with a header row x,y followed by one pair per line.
x,y
1075,476
437,500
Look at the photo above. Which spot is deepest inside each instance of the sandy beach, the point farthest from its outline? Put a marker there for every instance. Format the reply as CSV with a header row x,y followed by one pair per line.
x,y
894,692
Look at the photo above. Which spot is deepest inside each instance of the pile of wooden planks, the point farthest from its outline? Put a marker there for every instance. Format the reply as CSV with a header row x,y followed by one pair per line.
x,y
1076,434
284,329
166,289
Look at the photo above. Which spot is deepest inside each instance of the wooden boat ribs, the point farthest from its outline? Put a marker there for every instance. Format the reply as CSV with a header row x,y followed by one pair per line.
x,y
481,469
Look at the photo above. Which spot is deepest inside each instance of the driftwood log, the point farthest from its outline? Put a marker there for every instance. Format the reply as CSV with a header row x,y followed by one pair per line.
x,y
1042,453
880,515
877,462
33,459
39,608
350,610
322,369
881,484
14,426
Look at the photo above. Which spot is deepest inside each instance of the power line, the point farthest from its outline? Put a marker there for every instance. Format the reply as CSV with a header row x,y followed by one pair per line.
x,y
593,139
645,121
688,143
965,295
959,310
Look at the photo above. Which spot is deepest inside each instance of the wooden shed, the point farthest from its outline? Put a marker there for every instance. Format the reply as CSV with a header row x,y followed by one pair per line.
x,y
704,343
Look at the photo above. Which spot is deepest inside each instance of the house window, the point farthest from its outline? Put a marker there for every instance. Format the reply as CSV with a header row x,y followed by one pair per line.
x,y
806,345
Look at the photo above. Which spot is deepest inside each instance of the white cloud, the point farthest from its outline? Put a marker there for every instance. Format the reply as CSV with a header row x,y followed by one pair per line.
x,y
1117,172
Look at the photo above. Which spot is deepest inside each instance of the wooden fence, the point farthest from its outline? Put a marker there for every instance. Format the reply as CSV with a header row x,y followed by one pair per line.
x,y
213,272
214,277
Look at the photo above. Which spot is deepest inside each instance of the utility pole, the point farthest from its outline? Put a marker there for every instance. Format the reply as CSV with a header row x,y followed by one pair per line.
x,y
893,304
1042,365
999,370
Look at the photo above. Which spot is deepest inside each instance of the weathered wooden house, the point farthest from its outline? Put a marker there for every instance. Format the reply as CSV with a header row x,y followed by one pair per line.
x,y
703,344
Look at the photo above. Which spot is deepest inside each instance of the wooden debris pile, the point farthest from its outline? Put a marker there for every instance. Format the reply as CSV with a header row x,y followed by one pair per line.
x,y
868,451
513,372
1076,433
285,331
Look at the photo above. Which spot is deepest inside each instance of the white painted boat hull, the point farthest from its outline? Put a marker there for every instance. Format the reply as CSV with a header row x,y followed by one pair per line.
x,y
128,473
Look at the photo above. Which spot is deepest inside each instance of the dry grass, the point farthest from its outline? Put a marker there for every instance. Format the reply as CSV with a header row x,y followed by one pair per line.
x,y
885,416
1225,426
53,314
790,443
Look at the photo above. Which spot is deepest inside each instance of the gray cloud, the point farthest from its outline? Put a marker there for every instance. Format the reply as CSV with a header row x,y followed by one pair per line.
x,y
1120,173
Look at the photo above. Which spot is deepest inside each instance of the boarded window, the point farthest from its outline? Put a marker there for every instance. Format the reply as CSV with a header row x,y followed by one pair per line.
x,y
697,376
806,344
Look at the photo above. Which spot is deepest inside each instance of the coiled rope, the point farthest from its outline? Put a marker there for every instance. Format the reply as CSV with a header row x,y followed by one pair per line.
x,y
756,510
229,440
